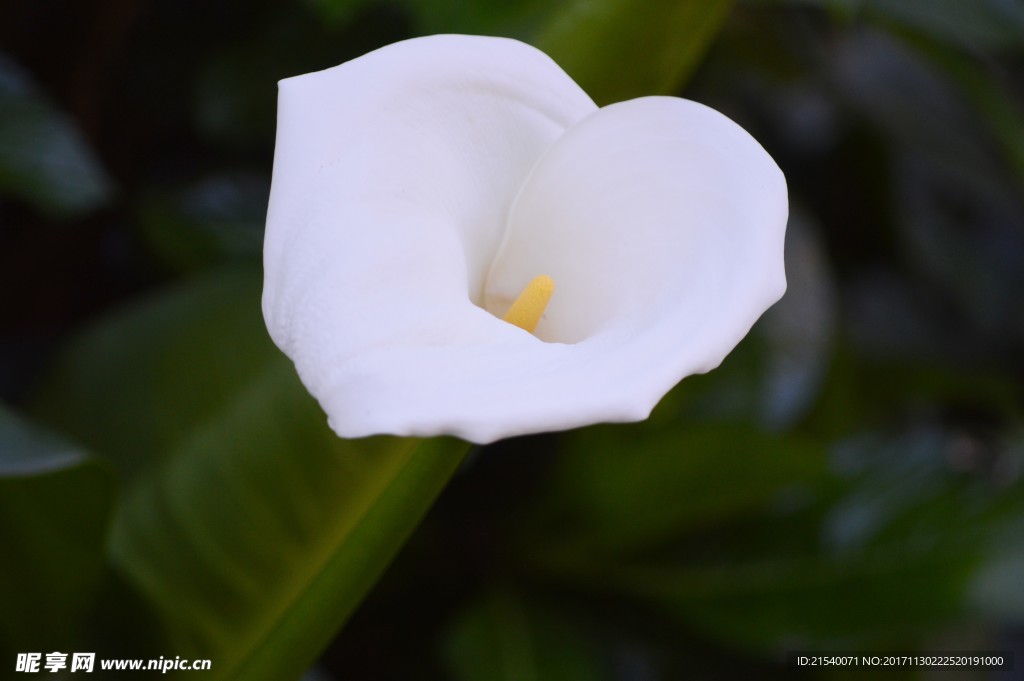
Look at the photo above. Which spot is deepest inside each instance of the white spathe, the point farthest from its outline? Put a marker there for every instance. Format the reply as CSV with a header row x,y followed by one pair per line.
x,y
419,188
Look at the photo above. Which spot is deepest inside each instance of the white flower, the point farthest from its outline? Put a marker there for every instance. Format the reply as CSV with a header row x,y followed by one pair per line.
x,y
417,191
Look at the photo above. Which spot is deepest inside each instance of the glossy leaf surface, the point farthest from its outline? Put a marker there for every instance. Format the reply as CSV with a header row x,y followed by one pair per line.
x,y
252,529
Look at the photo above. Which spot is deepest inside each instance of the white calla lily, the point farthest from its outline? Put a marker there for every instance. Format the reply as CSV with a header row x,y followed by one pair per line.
x,y
419,189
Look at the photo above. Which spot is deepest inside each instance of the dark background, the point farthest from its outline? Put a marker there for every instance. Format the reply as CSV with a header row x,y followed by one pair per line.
x,y
849,479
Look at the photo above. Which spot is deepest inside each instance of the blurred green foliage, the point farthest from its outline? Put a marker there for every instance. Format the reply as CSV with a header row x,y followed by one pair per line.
x,y
248,526
43,158
55,507
850,477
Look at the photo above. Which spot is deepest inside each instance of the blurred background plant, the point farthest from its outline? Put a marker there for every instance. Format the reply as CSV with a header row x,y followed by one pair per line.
x,y
849,479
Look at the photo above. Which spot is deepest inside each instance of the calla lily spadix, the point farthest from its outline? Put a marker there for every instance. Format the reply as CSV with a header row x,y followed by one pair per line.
x,y
427,191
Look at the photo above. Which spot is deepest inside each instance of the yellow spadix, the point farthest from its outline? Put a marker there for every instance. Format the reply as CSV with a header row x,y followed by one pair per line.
x,y
531,303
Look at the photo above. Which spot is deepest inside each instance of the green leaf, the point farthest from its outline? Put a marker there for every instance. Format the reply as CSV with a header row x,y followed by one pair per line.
x,y
979,24
770,603
621,489
43,158
997,591
993,99
890,84
985,24
887,548
216,220
252,529
55,506
618,49
505,637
